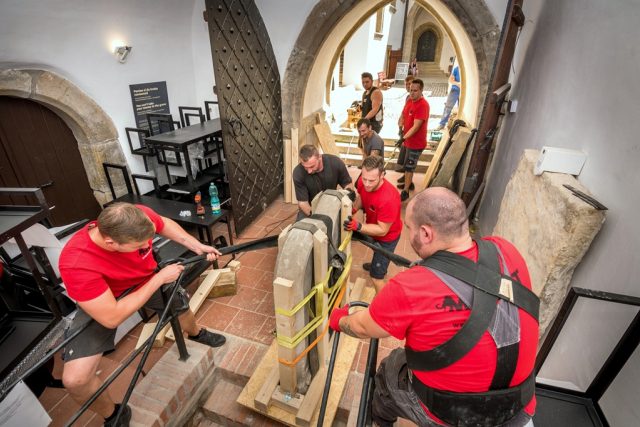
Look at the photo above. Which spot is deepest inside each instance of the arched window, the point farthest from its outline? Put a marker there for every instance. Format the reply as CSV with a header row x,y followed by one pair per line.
x,y
426,51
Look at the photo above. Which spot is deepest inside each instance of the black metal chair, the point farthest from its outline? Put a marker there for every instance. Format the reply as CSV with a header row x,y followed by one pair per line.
x,y
188,114
207,108
142,149
160,123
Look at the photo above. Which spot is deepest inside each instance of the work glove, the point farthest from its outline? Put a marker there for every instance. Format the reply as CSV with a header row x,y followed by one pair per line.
x,y
352,224
400,141
336,315
351,194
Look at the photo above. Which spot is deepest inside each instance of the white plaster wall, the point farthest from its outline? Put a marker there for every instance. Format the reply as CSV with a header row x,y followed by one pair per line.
x,y
363,52
284,20
73,38
355,55
569,95
395,26
204,79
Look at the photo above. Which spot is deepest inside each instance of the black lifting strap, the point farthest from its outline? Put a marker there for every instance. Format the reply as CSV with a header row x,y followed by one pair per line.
x,y
482,311
502,402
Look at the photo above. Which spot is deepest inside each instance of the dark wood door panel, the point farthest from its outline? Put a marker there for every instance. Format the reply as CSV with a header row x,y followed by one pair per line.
x,y
248,86
40,151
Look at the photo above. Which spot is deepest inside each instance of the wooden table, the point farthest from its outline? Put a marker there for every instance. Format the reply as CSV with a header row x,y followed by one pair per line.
x,y
172,208
179,140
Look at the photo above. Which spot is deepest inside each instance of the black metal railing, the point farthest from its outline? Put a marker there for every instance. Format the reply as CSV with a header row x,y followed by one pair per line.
x,y
364,409
616,360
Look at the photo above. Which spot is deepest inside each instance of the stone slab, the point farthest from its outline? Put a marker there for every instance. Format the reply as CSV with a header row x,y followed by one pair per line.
x,y
551,228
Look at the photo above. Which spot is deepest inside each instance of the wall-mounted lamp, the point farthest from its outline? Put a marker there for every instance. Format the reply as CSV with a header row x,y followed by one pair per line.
x,y
121,51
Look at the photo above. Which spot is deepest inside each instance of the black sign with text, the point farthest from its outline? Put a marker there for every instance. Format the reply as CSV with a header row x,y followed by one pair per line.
x,y
148,98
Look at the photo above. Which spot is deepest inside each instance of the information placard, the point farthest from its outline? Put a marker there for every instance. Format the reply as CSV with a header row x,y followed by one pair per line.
x,y
148,98
402,70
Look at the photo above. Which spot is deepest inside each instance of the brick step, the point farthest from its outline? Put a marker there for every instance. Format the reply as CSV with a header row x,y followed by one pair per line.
x,y
221,407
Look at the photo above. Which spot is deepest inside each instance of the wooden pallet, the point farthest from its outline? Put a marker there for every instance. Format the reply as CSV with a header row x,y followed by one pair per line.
x,y
261,392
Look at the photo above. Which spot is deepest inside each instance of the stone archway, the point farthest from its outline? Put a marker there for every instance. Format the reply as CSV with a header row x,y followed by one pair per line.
x,y
328,27
91,126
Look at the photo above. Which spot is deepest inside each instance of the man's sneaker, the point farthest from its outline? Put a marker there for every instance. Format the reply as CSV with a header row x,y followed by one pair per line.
x,y
123,421
404,196
366,266
439,128
400,180
411,187
209,338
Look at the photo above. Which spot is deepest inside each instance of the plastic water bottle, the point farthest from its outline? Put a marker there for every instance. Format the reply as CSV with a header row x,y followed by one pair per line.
x,y
215,201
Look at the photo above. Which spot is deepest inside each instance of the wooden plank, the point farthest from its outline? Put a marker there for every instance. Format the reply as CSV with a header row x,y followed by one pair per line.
x,y
197,299
288,169
327,142
286,401
452,158
263,397
435,161
147,330
285,325
311,399
320,268
295,147
346,353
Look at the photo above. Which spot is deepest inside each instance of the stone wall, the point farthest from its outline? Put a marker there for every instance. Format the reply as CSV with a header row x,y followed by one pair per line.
x,y
550,226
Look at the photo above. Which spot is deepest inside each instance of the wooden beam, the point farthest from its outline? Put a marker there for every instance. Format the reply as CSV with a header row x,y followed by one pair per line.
x,y
320,268
435,161
295,147
288,170
311,399
452,158
326,138
285,325
147,330
263,398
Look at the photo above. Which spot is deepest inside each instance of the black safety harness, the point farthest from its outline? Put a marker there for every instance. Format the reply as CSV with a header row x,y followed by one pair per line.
x,y
489,287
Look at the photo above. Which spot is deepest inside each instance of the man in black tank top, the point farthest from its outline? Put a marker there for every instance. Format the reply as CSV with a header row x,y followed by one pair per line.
x,y
372,102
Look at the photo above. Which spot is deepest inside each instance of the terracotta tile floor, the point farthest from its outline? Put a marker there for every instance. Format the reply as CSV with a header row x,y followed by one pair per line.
x,y
249,314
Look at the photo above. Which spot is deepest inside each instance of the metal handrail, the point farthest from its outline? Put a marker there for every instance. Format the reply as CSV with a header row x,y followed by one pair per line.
x,y
367,385
148,344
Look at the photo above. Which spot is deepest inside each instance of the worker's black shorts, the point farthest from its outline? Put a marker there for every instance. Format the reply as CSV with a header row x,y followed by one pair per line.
x,y
411,159
97,339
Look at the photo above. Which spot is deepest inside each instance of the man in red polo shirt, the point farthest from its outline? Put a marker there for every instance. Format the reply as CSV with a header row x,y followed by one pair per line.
x,y
381,205
486,379
413,122
102,261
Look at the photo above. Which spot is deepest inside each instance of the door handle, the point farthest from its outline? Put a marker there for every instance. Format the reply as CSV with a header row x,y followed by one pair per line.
x,y
46,184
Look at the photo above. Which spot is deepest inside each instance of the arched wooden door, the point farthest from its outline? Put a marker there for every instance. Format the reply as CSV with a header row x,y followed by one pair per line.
x,y
427,43
37,149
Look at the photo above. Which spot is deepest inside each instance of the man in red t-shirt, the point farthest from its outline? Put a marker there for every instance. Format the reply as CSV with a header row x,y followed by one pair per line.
x,y
413,122
426,307
381,205
99,263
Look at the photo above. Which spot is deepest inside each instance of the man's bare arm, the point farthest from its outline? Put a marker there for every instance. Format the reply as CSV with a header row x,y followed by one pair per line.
x,y
361,325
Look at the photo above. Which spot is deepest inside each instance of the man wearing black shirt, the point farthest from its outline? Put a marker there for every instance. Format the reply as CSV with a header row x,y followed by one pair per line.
x,y
317,173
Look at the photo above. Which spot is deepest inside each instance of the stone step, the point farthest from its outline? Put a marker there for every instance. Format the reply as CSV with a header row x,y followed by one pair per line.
x,y
221,407
351,155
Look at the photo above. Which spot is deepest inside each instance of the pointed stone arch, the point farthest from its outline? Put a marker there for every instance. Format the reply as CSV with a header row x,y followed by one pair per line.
x,y
329,26
91,126
429,26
